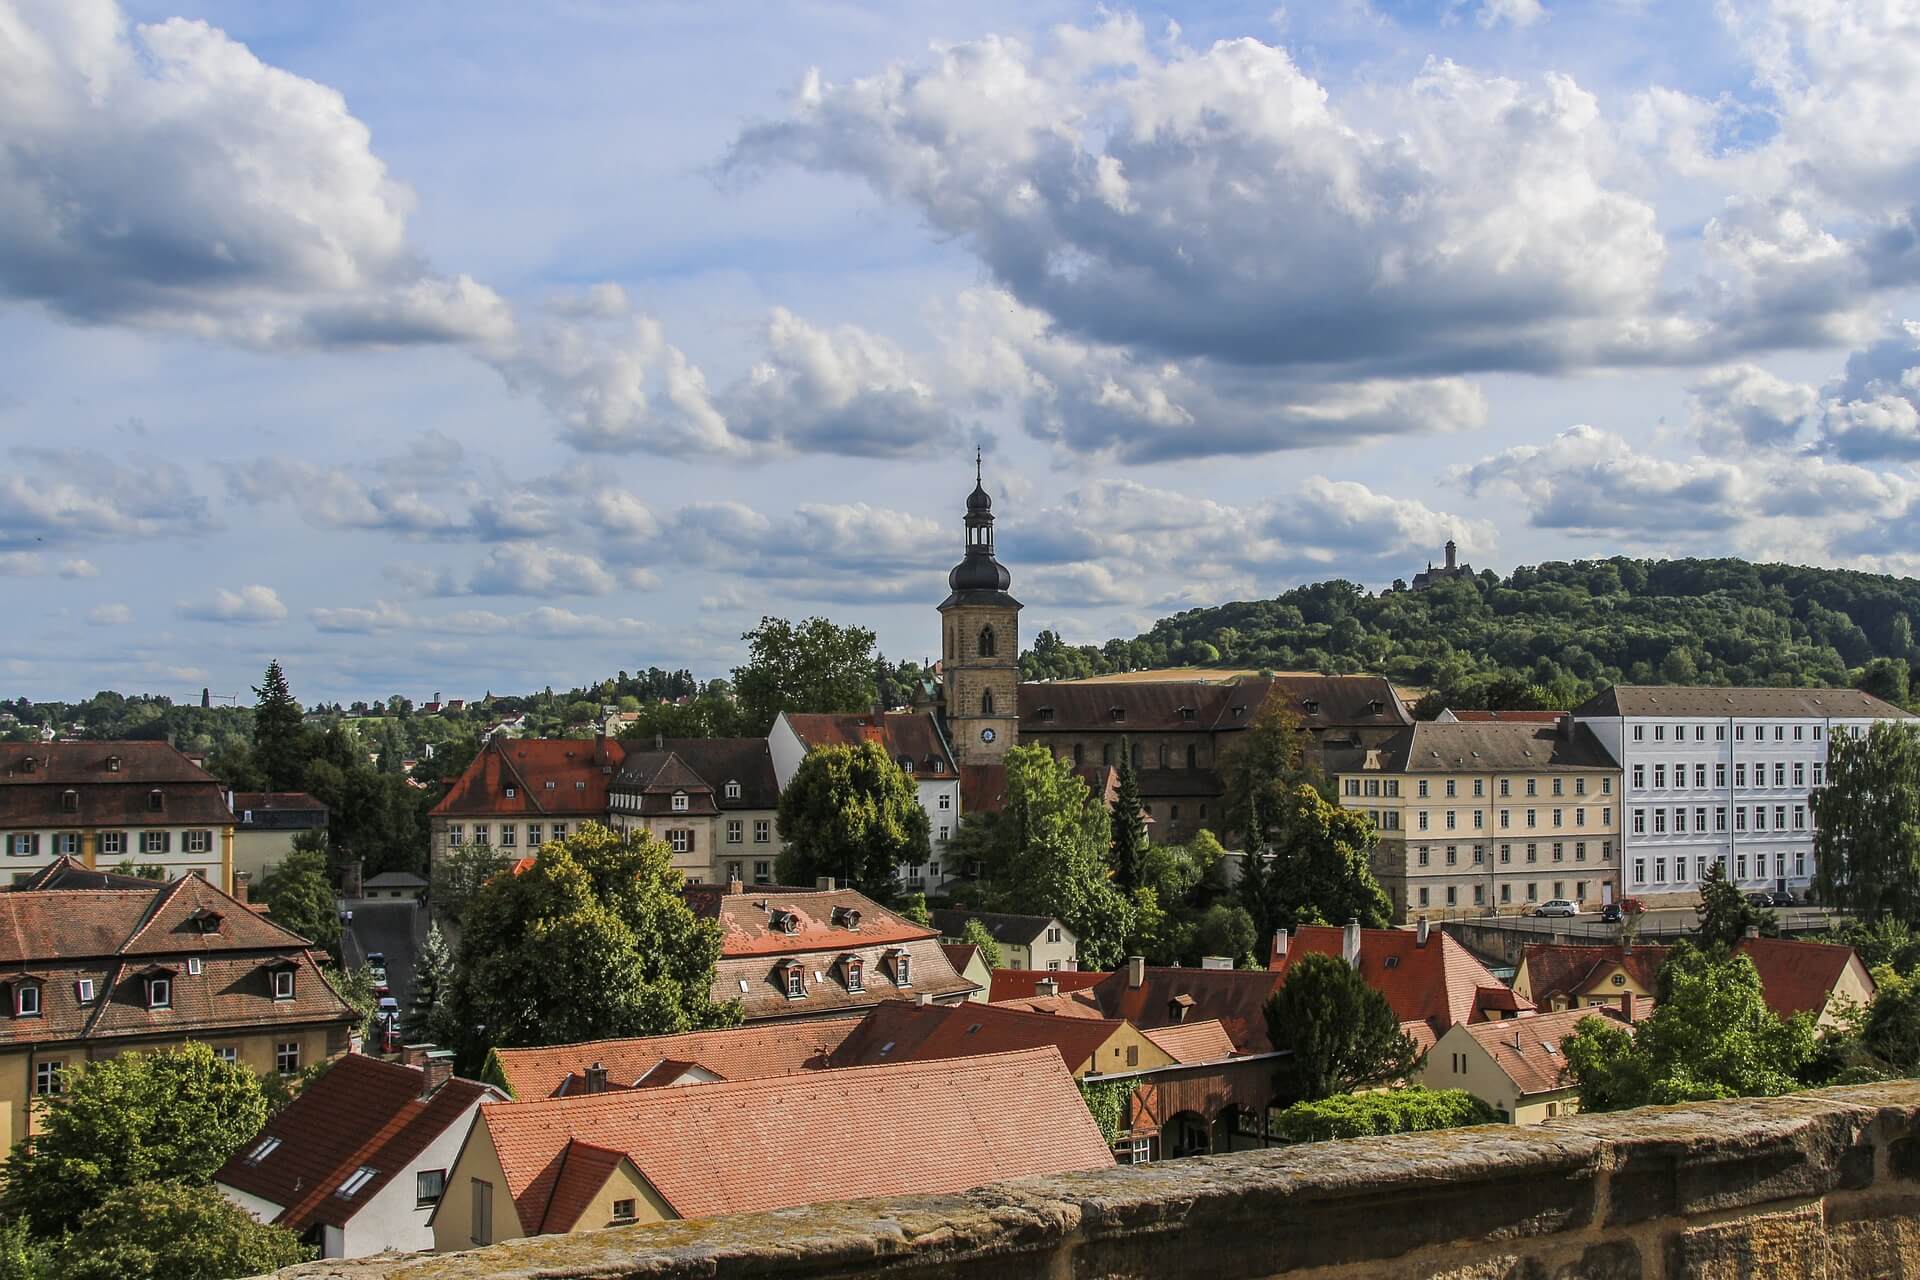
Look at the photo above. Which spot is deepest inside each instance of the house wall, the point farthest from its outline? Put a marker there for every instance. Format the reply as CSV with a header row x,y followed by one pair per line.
x,y
259,852
89,845
1607,989
1458,1061
624,1184
258,1209
394,1218
1853,990
452,1222
1125,1050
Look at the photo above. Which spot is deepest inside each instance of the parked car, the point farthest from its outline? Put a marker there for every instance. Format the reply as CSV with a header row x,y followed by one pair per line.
x,y
379,976
1611,913
389,1007
1761,898
378,959
1557,907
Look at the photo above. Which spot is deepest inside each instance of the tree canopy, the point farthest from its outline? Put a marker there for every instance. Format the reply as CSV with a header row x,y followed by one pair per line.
x,y
279,736
1866,840
1362,1115
299,895
814,665
1341,1033
1054,837
592,941
851,812
1711,1035
1724,913
1320,870
1129,826
171,1230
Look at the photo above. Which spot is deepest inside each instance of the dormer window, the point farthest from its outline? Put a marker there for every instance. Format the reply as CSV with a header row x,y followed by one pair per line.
x,y
906,763
847,918
1118,713
156,800
796,980
1375,706
204,921
902,969
159,993
856,974
26,1000
679,802
509,793
283,984
733,789
1044,714
1311,705
83,991
1186,713
783,922
113,764
27,763
69,801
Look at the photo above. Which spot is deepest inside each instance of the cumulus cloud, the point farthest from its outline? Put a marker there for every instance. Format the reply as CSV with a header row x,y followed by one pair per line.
x,y
1218,203
1746,406
250,604
79,569
161,175
524,569
63,495
1518,13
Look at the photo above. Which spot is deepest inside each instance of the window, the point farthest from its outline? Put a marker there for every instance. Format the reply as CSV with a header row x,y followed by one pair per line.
x,y
1720,818
156,800
736,831
286,1057
66,842
1533,890
1719,733
1421,854
1479,819
482,833
1506,853
1779,773
116,841
1479,854
1680,870
1533,853
1453,895
1532,817
1506,819
680,840
986,702
508,835
559,831
195,965
1639,733
1506,893
357,1182
1579,850
1740,867
1639,870
1557,813
679,802
796,982
1799,773
1579,817
1533,786
26,1000
49,1078
1740,774
23,846
763,873
482,1212
902,970
1559,851
1759,817
1453,855
1452,789
1557,783
1606,786
1739,817
1779,817
283,984
1700,776
456,834
856,975
1422,790
1720,775
156,841
1659,733
1700,819
1424,896
159,993
1479,787
1659,822
1659,776
1800,855
1739,733
227,1053
761,829
623,1212
1779,733
83,991
1799,817
1659,870
1816,732
1579,786
1818,768
1422,824
1452,821
1639,777
1639,822
428,1186
534,830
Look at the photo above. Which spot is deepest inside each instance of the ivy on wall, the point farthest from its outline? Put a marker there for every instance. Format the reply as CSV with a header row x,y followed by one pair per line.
x,y
1107,1101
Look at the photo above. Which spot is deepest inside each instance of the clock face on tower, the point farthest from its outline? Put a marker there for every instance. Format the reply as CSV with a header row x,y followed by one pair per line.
x,y
986,735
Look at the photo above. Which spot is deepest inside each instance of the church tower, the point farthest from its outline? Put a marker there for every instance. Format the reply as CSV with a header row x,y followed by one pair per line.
x,y
980,643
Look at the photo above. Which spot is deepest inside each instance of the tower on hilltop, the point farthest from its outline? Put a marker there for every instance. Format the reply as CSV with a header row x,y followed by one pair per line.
x,y
980,643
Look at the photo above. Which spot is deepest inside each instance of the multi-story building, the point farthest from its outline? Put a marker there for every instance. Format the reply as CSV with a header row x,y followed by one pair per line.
x,y
715,801
980,644
521,792
1025,942
914,741
105,803
94,964
1721,775
266,823
1488,816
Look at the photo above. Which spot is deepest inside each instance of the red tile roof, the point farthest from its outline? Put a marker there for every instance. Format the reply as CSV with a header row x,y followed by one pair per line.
x,y
732,1053
960,954
906,735
1237,997
1439,984
1528,1049
1020,984
360,1112
819,916
1795,977
572,1185
983,787
33,796
901,1032
758,982
746,1146
579,769
1191,1042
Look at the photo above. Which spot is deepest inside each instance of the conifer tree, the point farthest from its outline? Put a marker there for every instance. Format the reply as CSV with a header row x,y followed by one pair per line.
x,y
1129,831
432,977
279,737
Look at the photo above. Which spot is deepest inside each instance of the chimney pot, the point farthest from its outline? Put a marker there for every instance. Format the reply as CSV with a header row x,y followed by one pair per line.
x,y
924,999
1136,971
1047,987
1350,943
1279,942
824,882
436,1068
240,889
1423,931
597,1078
1626,1006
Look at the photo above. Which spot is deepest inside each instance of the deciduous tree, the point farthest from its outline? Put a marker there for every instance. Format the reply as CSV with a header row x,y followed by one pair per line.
x,y
1321,869
977,934
458,874
1362,1115
299,896
1339,1032
1057,835
813,666
1261,770
851,812
172,1230
1866,840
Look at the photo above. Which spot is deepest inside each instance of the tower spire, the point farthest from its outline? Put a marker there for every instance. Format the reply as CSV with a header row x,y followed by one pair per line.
x,y
976,465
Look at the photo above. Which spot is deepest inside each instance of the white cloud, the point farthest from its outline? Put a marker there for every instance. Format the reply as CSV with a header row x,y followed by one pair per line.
x,y
1519,13
63,495
1746,406
79,569
109,615
531,570
250,604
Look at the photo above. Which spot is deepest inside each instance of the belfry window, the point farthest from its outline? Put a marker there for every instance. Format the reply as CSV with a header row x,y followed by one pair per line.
x,y
986,702
986,642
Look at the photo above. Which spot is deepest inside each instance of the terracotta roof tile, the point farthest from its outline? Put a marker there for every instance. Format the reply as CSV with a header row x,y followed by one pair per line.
x,y
1191,1042
745,1146
1795,976
580,770
906,735
819,917
1236,997
759,983
1439,984
1528,1049
711,763
732,1053
1020,984
570,1185
900,1032
360,1112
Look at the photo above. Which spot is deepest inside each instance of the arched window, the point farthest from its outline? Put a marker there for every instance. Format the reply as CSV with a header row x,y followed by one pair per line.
x,y
1163,755
986,702
1106,753
1193,757
1136,755
986,642
1079,754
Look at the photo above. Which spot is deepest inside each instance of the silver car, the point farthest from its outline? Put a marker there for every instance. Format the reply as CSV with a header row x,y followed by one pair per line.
x,y
1557,907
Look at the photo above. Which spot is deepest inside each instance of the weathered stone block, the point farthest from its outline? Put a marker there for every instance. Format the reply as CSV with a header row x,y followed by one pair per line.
x,y
1782,1246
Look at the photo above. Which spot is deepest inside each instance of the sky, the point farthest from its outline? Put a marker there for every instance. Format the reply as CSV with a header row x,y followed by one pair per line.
x,y
484,346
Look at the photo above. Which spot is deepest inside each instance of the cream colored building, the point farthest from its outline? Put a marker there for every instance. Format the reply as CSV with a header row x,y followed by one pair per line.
x,y
1482,818
1515,1066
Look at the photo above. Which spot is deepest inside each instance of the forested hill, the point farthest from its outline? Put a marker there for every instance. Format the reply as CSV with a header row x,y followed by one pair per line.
x,y
1549,635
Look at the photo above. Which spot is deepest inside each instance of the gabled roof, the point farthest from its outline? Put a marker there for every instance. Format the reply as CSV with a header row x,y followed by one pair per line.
x,y
1441,747
960,954
820,919
361,1112
105,795
1707,700
732,1053
745,1146
1192,1042
1022,984
144,763
1795,976
1502,717
1236,997
579,769
712,763
574,1183
150,919
901,1032
906,736
759,982
1017,930
1528,1049
1440,984
1321,702
67,872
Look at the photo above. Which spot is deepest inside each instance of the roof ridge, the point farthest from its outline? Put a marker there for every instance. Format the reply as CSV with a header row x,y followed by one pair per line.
x,y
500,748
166,893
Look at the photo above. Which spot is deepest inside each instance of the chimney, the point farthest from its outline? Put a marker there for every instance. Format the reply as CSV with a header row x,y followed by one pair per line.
x,y
1423,932
925,998
824,882
659,742
437,1068
1136,971
1626,1006
734,885
240,879
597,1078
1350,943
1047,987
1279,942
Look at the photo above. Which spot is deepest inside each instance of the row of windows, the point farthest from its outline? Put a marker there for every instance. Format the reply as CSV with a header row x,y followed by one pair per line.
x,y
1423,854
50,1074
26,844
1425,894
1681,866
1780,774
853,972
1166,756
1740,811
1800,732
1559,818
537,833
1450,787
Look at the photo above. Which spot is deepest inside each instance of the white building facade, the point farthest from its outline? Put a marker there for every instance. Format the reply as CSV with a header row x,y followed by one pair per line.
x,y
1721,775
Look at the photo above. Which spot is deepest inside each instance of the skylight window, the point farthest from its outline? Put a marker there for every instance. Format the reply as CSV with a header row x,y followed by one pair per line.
x,y
357,1182
266,1148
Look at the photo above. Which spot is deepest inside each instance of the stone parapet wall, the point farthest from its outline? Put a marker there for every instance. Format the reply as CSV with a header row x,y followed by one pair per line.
x,y
1819,1184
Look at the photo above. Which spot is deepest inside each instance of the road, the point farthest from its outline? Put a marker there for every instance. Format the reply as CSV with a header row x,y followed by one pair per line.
x,y
394,928
1663,922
